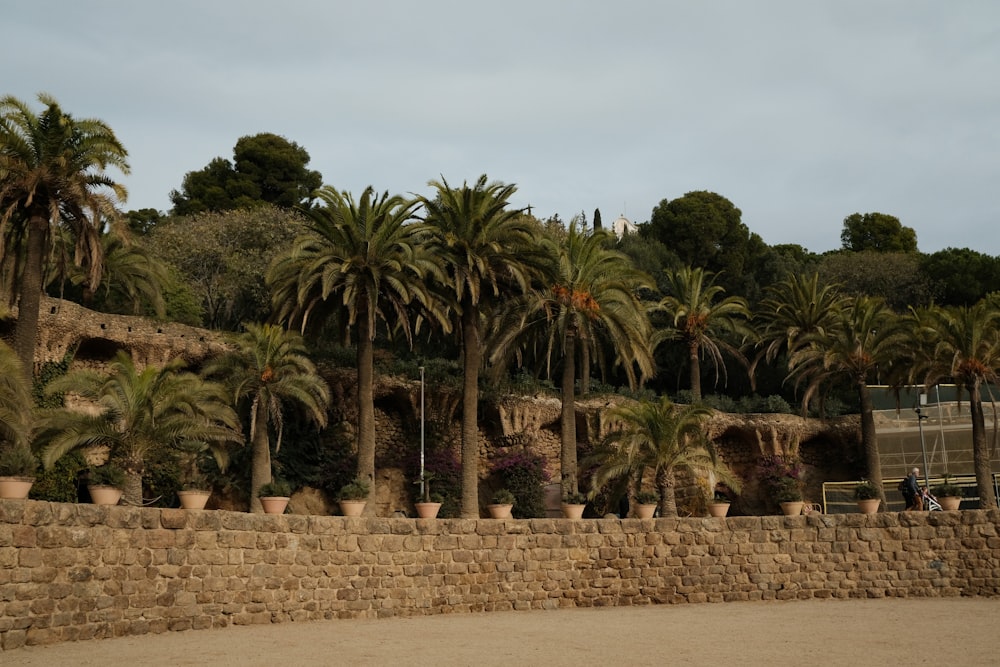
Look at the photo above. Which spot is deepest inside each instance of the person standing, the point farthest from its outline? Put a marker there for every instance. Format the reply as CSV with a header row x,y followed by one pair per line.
x,y
911,491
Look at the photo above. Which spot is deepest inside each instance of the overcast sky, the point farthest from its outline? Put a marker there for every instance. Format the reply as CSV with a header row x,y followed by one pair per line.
x,y
800,113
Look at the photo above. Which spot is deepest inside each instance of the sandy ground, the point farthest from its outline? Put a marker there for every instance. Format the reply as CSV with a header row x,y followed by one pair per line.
x,y
816,632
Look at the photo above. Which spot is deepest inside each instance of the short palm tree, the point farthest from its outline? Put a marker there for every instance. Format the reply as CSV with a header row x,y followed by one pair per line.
x,y
963,344
591,304
864,338
269,371
701,322
661,436
137,412
489,252
53,173
360,262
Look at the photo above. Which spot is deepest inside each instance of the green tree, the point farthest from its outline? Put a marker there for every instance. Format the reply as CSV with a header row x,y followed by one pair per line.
x,y
223,259
960,276
962,343
591,305
140,413
490,252
877,232
53,172
893,276
661,436
270,373
265,168
865,338
360,261
701,322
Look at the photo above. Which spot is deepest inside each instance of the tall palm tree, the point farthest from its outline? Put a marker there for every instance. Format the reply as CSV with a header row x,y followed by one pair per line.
x,y
590,305
661,436
15,399
360,261
489,252
138,412
53,172
864,338
701,322
269,370
963,344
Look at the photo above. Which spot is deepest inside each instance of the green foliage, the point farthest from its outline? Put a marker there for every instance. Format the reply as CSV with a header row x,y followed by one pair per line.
x,y
51,370
523,473
109,474
866,490
266,168
574,498
17,461
357,489
947,488
60,483
504,497
893,276
275,488
877,232
787,490
960,276
646,498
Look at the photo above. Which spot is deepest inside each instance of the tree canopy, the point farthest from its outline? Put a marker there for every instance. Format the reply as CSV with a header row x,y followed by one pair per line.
x,y
877,231
265,168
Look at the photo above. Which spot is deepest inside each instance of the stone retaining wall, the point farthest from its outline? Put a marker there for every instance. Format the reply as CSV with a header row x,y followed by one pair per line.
x,y
71,572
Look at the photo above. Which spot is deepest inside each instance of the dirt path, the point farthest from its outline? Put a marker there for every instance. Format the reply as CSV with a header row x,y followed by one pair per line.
x,y
816,632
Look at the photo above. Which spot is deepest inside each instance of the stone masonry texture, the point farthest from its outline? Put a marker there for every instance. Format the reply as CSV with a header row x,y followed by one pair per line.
x,y
74,571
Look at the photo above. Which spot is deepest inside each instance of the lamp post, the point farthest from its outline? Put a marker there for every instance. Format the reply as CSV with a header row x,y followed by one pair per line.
x,y
923,448
422,432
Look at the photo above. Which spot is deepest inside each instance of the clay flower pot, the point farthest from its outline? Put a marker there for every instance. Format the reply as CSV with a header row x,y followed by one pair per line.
x,y
274,504
352,507
16,488
645,510
792,508
424,510
869,505
193,499
499,510
105,495
573,511
718,509
949,503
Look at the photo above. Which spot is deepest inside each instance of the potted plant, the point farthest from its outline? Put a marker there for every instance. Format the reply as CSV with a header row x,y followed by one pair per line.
x,y
718,506
105,484
788,493
195,488
868,496
503,503
274,496
17,471
353,497
948,494
646,502
573,505
429,507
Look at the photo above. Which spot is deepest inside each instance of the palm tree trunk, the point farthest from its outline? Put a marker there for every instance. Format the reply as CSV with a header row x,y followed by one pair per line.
x,y
26,331
666,484
366,404
470,406
585,369
260,465
695,371
132,491
568,453
869,440
980,452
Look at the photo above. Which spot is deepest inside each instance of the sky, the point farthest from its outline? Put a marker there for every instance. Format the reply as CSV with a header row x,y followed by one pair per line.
x,y
800,113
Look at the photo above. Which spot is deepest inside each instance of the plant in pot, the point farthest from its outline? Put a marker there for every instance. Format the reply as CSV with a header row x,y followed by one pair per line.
x,y
353,497
573,504
948,494
718,506
646,502
428,507
788,493
868,496
18,466
105,483
274,496
195,488
503,503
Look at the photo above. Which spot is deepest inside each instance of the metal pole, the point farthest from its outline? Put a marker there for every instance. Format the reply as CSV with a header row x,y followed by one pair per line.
x,y
923,448
421,433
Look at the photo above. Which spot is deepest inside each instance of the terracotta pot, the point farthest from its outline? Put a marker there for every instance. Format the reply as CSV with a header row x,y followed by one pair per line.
x,y
718,509
424,510
15,487
950,502
499,511
105,495
274,504
193,499
792,508
645,511
352,507
573,511
869,505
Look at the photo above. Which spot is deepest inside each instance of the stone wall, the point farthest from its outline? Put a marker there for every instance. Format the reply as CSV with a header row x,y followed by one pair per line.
x,y
71,572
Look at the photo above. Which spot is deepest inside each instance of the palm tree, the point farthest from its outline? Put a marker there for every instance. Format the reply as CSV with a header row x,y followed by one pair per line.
x,y
963,344
52,173
15,399
138,412
489,252
269,370
661,436
864,338
699,322
590,304
360,261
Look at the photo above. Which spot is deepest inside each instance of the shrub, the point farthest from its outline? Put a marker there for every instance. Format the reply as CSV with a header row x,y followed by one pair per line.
x,y
17,461
355,490
947,488
866,490
646,498
108,474
503,497
275,488
523,474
